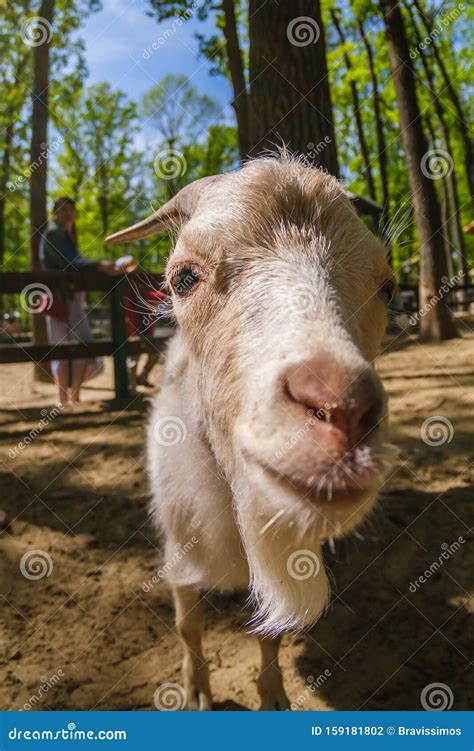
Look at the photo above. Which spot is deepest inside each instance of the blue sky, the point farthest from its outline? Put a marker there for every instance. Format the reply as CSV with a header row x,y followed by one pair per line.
x,y
116,39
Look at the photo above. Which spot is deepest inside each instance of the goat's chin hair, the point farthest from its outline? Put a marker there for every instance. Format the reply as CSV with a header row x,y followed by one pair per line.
x,y
289,588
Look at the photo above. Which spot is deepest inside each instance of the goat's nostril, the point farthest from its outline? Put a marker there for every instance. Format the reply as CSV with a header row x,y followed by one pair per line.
x,y
318,413
368,419
331,395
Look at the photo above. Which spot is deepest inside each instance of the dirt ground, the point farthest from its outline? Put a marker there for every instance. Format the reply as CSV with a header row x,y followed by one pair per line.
x,y
86,636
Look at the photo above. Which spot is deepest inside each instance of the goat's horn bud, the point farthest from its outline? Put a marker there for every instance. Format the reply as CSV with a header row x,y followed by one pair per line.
x,y
149,226
176,210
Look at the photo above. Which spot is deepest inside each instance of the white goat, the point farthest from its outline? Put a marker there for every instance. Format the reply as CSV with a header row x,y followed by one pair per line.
x,y
268,434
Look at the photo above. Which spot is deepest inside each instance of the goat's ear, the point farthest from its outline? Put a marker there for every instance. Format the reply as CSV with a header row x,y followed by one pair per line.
x,y
177,210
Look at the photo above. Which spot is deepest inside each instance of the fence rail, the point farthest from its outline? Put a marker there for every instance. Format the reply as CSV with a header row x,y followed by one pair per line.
x,y
459,297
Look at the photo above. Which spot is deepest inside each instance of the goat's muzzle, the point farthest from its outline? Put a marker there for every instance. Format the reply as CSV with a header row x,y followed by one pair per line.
x,y
344,407
329,445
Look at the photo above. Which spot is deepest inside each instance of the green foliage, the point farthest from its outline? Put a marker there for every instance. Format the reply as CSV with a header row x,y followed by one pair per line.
x,y
99,166
453,45
93,153
177,111
188,141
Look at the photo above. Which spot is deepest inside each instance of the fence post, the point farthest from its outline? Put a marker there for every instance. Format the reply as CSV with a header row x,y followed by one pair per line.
x,y
119,338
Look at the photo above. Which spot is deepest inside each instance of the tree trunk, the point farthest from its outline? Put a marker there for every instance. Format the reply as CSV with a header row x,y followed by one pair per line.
x,y
452,93
5,176
436,321
381,142
444,207
39,133
290,101
444,200
356,106
104,211
237,74
39,158
452,197
11,115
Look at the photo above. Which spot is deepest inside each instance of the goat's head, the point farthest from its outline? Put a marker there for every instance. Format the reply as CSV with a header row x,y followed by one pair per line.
x,y
280,293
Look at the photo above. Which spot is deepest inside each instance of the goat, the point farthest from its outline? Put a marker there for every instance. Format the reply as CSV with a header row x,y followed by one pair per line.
x,y
268,435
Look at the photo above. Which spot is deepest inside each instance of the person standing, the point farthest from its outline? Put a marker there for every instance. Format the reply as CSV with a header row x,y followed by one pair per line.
x,y
67,321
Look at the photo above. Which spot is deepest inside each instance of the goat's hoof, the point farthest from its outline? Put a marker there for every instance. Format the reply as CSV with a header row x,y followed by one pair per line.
x,y
198,690
197,699
274,702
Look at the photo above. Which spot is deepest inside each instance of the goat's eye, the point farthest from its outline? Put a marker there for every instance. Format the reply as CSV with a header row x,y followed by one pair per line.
x,y
184,279
387,291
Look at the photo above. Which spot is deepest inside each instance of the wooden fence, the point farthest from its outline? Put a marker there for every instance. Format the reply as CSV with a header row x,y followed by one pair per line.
x,y
61,285
459,297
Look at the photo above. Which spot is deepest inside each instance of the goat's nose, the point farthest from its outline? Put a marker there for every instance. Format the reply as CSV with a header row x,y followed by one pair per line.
x,y
352,402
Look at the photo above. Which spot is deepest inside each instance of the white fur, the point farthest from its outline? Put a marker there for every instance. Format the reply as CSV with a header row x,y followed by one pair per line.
x,y
222,380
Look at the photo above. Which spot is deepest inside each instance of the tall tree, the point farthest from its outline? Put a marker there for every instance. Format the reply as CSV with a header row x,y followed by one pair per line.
x,y
290,100
437,322
42,36
109,128
462,118
444,194
287,97
240,99
54,23
450,180
39,127
14,81
181,116
178,111
382,155
99,165
356,106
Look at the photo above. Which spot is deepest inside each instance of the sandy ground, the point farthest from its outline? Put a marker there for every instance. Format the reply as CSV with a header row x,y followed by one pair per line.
x,y
88,636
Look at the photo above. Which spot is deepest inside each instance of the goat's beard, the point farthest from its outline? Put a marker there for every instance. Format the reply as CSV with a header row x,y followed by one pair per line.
x,y
289,588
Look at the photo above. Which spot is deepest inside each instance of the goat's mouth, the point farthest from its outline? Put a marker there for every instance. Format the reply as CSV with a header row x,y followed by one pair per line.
x,y
325,491
347,483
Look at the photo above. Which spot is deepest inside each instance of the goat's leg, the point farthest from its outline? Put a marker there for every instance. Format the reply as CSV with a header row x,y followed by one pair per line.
x,y
190,624
270,681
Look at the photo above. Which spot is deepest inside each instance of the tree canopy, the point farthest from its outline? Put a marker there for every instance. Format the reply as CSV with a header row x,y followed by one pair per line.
x,y
323,78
